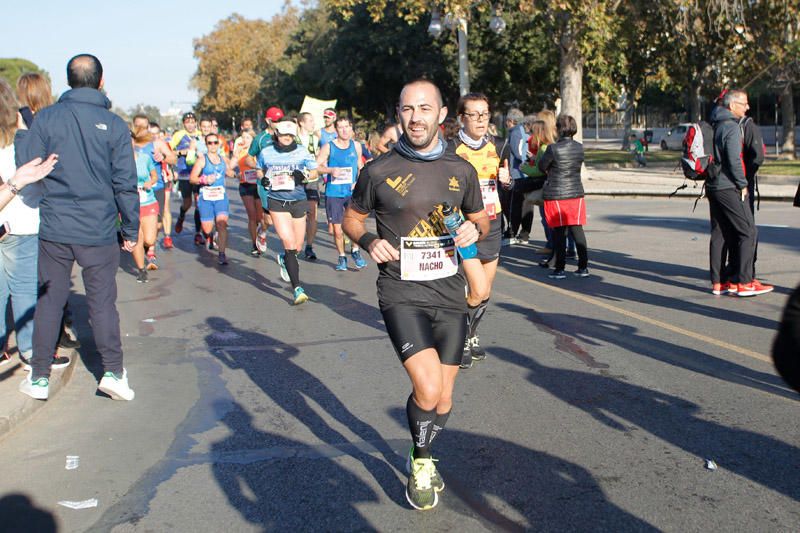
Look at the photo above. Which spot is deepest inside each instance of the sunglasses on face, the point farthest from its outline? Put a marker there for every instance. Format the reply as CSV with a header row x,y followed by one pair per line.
x,y
212,143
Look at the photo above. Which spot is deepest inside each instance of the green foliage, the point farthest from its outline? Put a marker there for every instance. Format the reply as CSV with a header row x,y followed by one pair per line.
x,y
361,52
364,63
12,68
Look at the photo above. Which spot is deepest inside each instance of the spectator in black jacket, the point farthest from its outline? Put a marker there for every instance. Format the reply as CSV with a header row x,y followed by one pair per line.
x,y
727,193
753,158
93,185
564,207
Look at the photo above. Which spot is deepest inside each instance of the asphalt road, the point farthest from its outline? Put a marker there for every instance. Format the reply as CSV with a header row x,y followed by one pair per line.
x,y
600,402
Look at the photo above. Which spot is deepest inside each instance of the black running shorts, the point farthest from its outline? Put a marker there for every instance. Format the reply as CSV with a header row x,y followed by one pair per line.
x,y
489,247
160,198
187,189
297,208
312,195
248,189
413,329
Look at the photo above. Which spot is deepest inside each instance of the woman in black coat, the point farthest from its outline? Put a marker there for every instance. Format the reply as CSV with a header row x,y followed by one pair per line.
x,y
564,207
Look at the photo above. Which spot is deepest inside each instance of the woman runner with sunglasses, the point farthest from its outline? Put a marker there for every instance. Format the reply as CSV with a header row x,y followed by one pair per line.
x,y
209,173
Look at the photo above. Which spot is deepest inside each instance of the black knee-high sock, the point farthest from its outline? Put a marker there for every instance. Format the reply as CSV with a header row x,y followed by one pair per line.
x,y
438,425
475,316
420,423
292,267
196,221
182,213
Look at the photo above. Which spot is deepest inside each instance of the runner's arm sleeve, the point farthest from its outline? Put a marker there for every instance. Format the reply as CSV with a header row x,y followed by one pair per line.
x,y
124,181
363,199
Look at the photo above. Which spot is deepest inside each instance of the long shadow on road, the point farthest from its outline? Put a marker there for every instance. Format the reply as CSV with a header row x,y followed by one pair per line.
x,y
268,363
788,238
592,331
292,487
598,287
762,459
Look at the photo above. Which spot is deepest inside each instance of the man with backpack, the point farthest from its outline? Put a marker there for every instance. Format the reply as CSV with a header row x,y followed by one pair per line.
x,y
727,191
753,158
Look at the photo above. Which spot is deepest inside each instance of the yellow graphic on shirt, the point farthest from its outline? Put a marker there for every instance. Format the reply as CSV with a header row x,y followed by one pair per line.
x,y
486,163
453,184
401,184
433,226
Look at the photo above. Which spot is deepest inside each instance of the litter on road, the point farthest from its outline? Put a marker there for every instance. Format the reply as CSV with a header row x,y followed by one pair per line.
x,y
85,504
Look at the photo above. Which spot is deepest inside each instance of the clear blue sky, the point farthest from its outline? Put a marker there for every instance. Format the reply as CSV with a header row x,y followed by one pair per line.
x,y
145,46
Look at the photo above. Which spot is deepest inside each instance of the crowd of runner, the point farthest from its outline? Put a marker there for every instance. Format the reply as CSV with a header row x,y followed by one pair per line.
x,y
445,198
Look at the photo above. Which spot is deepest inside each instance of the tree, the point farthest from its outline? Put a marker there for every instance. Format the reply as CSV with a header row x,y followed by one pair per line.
x,y
364,62
581,30
12,68
152,112
773,28
236,59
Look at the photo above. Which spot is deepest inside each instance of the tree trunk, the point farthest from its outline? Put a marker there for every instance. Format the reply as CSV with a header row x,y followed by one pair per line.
x,y
694,101
789,122
571,78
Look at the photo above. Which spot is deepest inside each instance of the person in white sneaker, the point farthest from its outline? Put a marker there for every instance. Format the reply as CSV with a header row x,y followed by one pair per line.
x,y
93,186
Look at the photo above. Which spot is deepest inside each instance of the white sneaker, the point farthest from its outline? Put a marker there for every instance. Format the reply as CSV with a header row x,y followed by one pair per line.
x,y
38,389
261,242
115,387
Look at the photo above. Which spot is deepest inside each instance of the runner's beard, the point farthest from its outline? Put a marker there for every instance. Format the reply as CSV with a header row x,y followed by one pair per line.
x,y
430,134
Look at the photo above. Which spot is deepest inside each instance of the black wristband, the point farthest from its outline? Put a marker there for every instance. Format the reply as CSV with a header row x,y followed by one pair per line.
x,y
366,240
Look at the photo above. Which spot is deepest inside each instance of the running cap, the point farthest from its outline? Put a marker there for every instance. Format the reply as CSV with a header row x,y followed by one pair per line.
x,y
286,127
329,113
274,114
187,116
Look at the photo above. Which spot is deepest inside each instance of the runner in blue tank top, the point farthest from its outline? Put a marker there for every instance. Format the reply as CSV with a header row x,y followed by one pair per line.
x,y
209,173
287,167
341,160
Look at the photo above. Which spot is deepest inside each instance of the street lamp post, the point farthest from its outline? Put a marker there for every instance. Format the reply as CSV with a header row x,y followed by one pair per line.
x,y
463,59
435,29
644,102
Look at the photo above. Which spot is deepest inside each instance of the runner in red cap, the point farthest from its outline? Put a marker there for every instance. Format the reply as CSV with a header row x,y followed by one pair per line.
x,y
262,140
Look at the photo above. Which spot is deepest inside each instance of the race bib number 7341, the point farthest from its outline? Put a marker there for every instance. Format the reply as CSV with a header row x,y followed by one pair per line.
x,y
427,258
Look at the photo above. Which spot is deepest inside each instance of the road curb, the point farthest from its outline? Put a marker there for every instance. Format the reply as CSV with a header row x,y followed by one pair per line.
x,y
22,407
663,194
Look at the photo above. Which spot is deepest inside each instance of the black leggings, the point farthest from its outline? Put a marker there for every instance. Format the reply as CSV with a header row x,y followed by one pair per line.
x,y
560,243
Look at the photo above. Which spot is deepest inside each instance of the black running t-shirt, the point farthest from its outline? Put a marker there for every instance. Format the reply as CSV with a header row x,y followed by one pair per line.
x,y
406,196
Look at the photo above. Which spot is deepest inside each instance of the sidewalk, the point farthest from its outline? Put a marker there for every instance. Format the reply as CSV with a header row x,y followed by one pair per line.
x,y
15,407
661,181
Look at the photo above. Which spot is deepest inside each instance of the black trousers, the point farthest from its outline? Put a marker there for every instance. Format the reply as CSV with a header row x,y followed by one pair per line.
x,y
718,251
520,220
505,206
99,269
560,243
734,219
